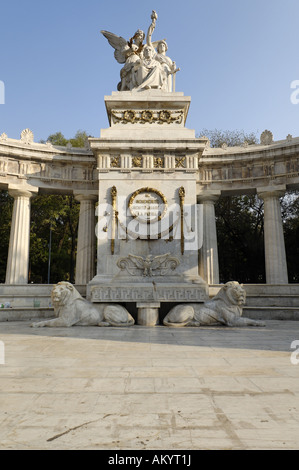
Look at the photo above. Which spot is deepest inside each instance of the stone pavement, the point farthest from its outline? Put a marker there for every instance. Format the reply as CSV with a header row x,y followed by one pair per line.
x,y
149,388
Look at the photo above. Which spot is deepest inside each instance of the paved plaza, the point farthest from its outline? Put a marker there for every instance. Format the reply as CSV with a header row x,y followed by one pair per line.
x,y
149,388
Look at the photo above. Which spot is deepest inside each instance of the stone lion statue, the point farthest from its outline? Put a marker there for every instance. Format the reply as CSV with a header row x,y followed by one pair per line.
x,y
71,308
225,308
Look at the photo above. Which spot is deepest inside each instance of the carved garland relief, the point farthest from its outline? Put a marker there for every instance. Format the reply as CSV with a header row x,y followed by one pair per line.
x,y
147,116
138,161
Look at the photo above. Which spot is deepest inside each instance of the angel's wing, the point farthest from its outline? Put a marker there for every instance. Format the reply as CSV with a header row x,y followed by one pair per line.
x,y
119,44
158,260
138,261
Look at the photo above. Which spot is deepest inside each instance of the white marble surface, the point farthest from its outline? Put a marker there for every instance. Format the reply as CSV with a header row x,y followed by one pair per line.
x,y
148,388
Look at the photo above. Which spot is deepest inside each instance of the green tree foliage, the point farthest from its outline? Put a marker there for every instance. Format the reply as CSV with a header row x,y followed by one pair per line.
x,y
290,215
55,219
240,234
231,138
58,139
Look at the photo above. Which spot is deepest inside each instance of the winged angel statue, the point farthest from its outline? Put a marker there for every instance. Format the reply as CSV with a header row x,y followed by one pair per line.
x,y
146,66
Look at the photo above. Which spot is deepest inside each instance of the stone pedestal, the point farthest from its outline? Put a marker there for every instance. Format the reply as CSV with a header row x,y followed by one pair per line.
x,y
85,262
275,255
148,313
147,212
18,252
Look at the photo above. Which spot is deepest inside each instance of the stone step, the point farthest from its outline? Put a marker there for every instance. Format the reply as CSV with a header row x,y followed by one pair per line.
x,y
30,295
259,313
25,313
272,300
271,313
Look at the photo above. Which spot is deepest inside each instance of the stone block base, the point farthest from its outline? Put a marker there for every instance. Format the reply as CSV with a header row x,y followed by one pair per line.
x,y
148,292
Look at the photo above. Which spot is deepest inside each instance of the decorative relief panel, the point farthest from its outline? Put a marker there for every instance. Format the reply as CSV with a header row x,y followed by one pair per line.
x,y
180,162
67,174
268,170
23,170
115,162
147,116
3,167
137,162
147,293
149,265
147,205
27,136
266,137
158,162
292,167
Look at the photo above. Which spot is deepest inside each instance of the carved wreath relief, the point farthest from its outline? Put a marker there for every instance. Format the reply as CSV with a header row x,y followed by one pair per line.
x,y
147,205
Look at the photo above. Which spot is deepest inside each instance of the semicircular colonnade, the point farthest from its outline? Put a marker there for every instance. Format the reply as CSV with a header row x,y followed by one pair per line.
x,y
268,169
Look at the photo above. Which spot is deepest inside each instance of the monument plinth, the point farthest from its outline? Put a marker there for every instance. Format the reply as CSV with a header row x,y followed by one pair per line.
x,y
149,226
151,113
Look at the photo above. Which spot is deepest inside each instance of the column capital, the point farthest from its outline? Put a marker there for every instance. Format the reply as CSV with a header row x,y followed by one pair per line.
x,y
208,197
85,196
16,192
271,191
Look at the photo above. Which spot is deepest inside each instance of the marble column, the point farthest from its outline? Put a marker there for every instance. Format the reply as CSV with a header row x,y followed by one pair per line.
x,y
275,254
18,251
85,262
208,254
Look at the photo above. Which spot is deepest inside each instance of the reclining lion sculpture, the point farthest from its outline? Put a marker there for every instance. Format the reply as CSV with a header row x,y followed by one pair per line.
x,y
71,308
225,308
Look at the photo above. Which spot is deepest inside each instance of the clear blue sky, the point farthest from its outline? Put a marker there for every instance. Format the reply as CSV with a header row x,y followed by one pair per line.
x,y
237,59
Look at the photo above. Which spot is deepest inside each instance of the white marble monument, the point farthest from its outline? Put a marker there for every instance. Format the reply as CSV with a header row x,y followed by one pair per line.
x,y
149,226
154,186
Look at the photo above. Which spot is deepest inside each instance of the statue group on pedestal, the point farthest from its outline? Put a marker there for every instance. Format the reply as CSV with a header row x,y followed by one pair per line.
x,y
146,66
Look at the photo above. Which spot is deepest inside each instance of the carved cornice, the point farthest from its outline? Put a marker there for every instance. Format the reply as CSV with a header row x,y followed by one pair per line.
x,y
234,169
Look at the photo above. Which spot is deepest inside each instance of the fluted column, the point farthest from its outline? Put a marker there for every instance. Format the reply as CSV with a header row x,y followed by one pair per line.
x,y
208,254
18,251
275,254
85,262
